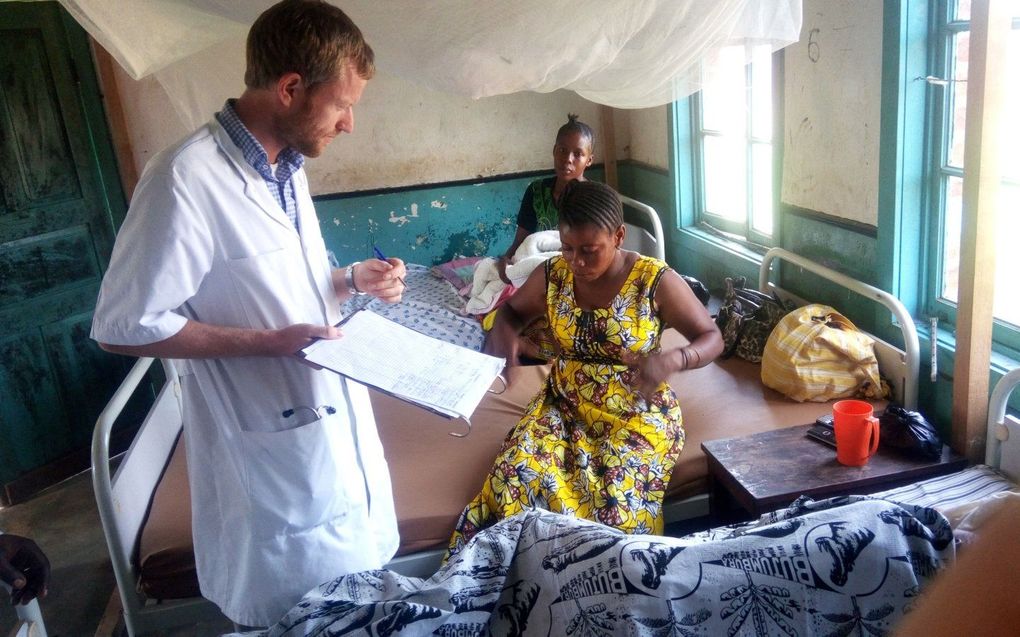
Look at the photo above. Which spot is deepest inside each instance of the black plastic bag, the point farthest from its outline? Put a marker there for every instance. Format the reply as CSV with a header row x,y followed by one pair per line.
x,y
698,288
909,432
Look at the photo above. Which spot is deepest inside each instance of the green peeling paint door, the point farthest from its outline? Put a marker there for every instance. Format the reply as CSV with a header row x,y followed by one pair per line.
x,y
56,233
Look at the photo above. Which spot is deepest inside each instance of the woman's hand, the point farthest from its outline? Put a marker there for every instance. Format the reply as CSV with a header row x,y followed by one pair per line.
x,y
519,310
653,369
501,264
503,342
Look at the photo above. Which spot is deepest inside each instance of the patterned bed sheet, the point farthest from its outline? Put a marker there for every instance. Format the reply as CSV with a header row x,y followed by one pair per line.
x,y
430,305
832,567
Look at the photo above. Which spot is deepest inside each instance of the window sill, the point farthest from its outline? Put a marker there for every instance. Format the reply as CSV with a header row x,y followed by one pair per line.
x,y
704,238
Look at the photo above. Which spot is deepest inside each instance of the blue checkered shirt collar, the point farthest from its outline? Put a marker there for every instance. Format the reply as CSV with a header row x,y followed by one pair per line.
x,y
288,162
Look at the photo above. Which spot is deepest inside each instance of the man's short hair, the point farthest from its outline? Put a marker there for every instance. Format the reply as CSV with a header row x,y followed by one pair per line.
x,y
309,37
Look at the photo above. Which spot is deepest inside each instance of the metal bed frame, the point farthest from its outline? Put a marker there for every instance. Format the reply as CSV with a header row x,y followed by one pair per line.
x,y
124,499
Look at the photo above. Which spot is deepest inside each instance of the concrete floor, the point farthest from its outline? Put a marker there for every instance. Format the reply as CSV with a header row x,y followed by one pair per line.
x,y
82,600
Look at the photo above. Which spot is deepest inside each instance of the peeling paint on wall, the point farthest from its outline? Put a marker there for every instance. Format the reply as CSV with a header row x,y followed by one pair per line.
x,y
401,220
477,219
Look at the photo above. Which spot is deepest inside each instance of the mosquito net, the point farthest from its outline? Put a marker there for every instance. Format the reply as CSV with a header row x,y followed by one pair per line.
x,y
621,53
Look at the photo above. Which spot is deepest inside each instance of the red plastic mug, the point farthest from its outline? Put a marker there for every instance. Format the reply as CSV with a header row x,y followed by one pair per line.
x,y
856,430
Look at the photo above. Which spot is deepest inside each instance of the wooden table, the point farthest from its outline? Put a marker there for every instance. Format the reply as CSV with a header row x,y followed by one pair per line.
x,y
769,470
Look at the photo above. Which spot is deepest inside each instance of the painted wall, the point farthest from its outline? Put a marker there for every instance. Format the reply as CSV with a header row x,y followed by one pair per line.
x,y
373,186
832,88
405,134
645,136
410,138
828,208
427,225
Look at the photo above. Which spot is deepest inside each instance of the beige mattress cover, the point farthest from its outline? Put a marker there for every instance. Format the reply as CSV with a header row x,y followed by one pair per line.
x,y
435,474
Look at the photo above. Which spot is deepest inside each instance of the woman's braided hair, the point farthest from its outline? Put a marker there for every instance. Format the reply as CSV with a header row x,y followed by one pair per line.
x,y
590,202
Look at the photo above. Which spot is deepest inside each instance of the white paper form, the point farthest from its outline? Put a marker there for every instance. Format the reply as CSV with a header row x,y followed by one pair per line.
x,y
440,376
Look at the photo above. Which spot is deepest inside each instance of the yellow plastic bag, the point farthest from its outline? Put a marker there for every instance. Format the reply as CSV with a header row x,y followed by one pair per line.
x,y
816,354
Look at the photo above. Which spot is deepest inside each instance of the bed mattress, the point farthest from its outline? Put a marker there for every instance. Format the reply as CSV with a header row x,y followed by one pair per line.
x,y
435,475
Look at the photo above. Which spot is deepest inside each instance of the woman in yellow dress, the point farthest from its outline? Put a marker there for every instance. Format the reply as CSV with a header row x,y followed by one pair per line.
x,y
601,438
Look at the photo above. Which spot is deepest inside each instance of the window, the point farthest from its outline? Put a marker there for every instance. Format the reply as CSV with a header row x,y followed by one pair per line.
x,y
732,145
948,114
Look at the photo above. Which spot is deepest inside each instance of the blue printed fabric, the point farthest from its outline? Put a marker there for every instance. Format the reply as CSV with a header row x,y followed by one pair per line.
x,y
850,565
430,305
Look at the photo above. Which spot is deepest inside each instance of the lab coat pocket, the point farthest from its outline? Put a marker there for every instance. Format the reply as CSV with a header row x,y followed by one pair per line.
x,y
272,289
294,479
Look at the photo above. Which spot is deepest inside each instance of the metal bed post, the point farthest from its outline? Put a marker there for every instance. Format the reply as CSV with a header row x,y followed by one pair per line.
x,y
997,433
653,218
123,500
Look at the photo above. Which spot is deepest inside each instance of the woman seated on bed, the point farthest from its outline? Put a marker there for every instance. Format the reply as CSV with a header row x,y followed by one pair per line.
x,y
572,154
600,440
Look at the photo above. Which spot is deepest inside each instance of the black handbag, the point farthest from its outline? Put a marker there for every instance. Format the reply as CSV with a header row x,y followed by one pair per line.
x,y
746,318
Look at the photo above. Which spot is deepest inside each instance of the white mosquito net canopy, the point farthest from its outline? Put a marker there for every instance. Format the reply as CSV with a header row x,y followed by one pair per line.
x,y
621,53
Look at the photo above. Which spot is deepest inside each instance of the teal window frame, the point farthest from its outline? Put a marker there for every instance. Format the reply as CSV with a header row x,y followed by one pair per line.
x,y
687,136
943,26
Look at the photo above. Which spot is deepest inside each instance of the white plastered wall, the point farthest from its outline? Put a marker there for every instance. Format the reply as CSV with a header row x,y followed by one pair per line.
x,y
832,111
405,134
647,140
833,82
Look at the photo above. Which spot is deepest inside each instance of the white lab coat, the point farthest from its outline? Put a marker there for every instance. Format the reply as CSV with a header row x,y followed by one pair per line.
x,y
279,504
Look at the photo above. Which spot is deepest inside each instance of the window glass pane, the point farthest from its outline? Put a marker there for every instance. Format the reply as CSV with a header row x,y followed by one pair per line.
x,y
951,239
963,10
761,93
1007,256
958,112
724,96
725,177
1009,121
761,177
1007,224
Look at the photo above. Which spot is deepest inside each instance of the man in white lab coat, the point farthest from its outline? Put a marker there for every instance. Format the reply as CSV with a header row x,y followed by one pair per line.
x,y
220,262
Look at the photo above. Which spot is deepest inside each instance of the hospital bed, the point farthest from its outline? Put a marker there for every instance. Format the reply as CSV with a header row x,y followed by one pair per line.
x,y
145,509
832,566
432,305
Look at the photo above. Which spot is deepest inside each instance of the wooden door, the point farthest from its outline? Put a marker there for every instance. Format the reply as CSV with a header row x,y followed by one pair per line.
x,y
56,233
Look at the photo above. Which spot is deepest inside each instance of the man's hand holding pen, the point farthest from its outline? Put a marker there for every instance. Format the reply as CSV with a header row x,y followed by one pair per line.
x,y
382,278
382,257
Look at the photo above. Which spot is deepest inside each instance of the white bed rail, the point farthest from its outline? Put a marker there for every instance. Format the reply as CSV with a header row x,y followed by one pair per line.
x,y
901,366
652,245
123,499
30,622
1001,433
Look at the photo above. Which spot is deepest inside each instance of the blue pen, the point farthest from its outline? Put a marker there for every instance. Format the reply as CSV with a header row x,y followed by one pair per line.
x,y
382,257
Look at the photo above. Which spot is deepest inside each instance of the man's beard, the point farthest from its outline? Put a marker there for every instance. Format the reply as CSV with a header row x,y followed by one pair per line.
x,y
300,133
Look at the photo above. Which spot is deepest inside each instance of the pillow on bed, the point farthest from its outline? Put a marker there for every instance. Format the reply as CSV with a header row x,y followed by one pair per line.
x,y
458,272
969,518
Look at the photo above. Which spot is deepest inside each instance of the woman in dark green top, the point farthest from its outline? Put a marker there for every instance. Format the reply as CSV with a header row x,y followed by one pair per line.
x,y
572,154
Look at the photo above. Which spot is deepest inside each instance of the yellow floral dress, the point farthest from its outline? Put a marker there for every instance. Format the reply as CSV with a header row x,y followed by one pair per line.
x,y
589,445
